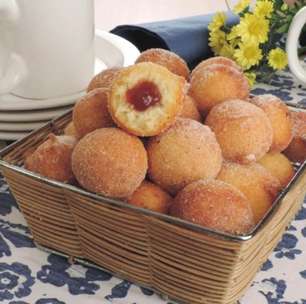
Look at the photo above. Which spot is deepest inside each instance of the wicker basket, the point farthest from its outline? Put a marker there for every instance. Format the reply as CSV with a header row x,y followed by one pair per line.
x,y
186,262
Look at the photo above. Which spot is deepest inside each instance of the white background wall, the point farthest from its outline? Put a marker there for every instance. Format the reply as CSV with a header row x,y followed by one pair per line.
x,y
110,13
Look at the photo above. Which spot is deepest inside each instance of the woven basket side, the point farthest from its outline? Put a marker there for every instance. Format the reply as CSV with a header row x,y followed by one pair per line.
x,y
255,251
113,237
46,212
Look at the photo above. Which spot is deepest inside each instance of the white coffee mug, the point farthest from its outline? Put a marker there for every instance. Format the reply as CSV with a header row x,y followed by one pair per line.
x,y
295,29
46,47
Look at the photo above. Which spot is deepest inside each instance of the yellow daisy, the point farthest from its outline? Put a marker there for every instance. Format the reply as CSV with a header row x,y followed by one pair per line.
x,y
241,6
263,8
277,59
217,40
248,54
233,34
227,51
217,22
253,29
251,76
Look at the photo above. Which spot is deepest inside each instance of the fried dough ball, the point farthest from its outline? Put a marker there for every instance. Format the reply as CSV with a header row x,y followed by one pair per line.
x,y
279,166
279,116
167,59
91,112
243,130
141,100
214,204
190,109
216,60
70,130
255,182
151,196
110,162
186,152
52,158
296,151
103,79
211,85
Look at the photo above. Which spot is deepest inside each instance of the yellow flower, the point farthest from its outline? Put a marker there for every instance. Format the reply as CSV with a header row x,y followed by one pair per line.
x,y
233,34
217,40
227,51
263,8
248,54
277,59
241,6
253,29
251,78
217,22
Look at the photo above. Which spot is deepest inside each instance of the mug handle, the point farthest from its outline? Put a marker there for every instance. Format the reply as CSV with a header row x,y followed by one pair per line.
x,y
12,66
295,30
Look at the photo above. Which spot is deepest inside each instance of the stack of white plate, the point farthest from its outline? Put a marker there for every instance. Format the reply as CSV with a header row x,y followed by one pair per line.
x,y
19,116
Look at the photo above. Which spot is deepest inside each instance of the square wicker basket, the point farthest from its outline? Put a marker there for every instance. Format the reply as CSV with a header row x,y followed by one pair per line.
x,y
186,262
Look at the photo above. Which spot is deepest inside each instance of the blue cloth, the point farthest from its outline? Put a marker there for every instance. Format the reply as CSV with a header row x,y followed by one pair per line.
x,y
188,37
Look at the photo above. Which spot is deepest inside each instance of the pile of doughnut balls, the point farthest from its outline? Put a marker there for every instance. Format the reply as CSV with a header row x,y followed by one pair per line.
x,y
194,145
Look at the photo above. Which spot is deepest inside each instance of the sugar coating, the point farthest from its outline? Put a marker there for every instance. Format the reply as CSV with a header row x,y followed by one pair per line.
x,y
103,79
214,204
243,130
167,59
216,60
255,182
279,116
190,109
279,166
151,196
91,112
216,83
52,158
110,162
187,151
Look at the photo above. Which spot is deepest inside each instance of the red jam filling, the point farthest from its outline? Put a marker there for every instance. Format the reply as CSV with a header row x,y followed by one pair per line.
x,y
143,96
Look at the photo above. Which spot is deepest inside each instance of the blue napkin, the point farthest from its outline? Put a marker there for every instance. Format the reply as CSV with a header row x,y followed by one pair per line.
x,y
188,37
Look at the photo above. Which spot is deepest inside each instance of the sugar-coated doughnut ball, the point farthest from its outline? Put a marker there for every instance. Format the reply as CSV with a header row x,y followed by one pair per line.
x,y
146,98
169,60
214,204
91,112
211,85
255,182
279,116
70,130
296,151
186,152
52,158
110,162
151,196
103,79
243,130
190,109
216,60
279,166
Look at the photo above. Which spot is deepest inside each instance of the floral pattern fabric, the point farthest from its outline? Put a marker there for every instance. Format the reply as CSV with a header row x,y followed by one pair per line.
x,y
31,276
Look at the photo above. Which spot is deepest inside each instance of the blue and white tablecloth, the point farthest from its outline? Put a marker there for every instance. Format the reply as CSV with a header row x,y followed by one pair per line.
x,y
31,276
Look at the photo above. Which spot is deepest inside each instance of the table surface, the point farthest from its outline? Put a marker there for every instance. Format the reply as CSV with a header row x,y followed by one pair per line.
x,y
31,276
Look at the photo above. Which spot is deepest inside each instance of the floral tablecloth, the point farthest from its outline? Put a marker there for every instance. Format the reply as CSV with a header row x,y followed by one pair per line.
x,y
31,276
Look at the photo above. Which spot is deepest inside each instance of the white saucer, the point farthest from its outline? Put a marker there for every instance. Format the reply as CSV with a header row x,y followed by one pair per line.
x,y
22,126
32,116
12,135
111,50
